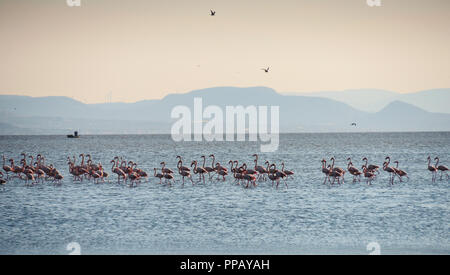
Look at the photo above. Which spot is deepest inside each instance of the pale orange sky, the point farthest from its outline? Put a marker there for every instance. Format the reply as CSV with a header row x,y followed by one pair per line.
x,y
143,49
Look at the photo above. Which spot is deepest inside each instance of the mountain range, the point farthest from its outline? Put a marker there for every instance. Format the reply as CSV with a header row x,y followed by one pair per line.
x,y
371,100
298,113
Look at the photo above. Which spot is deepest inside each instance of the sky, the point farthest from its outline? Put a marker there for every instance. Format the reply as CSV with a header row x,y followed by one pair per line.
x,y
145,49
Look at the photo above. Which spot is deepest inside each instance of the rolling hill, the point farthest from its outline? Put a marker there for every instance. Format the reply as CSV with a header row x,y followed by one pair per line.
x,y
297,113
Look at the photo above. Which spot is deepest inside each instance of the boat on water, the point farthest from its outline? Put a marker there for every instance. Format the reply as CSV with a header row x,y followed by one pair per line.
x,y
75,135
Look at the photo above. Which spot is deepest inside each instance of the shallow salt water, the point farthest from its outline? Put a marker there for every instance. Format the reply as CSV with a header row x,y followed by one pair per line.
x,y
221,217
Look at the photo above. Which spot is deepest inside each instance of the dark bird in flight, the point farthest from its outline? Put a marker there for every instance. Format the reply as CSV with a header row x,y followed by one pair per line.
x,y
353,124
213,12
266,70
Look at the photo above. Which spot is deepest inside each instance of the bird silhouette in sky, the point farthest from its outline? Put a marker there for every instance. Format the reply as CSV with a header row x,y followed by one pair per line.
x,y
266,70
213,12
353,124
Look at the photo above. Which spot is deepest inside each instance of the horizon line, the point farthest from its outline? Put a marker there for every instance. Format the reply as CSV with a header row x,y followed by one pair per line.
x,y
306,93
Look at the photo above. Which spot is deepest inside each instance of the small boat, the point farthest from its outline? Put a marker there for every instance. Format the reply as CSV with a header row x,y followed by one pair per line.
x,y
75,135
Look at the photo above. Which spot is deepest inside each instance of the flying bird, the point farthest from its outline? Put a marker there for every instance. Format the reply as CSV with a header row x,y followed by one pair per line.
x,y
266,70
213,12
353,124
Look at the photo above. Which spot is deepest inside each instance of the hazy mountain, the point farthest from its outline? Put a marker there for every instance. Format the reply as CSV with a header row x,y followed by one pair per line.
x,y
371,100
297,113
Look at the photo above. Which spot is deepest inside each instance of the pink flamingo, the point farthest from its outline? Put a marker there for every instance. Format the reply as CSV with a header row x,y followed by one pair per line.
x,y
158,175
368,174
184,173
287,172
326,171
441,168
199,170
400,173
371,167
6,168
221,172
390,170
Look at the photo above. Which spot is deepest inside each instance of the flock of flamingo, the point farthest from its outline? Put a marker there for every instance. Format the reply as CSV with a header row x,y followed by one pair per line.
x,y
241,174
370,171
35,170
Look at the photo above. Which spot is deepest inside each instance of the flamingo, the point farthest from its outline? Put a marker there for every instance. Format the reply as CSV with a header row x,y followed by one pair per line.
x,y
164,169
390,170
261,170
441,168
28,177
287,172
335,174
221,172
338,169
400,173
39,172
211,169
6,168
250,179
326,171
57,178
134,177
184,173
236,174
367,174
181,166
139,172
432,169
354,171
119,172
16,169
158,175
199,170
169,177
371,167
279,175
248,171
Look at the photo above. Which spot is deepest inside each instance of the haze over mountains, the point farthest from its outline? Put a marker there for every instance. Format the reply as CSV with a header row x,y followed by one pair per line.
x,y
371,100
298,113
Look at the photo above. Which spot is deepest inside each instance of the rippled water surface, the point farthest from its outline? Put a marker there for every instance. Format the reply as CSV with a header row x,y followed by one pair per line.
x,y
222,217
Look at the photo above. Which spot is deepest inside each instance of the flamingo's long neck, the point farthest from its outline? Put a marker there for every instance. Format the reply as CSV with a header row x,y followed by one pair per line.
x,y
332,165
437,162
213,160
204,161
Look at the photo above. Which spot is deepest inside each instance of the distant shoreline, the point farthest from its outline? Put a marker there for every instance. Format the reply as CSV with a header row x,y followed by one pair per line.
x,y
285,133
